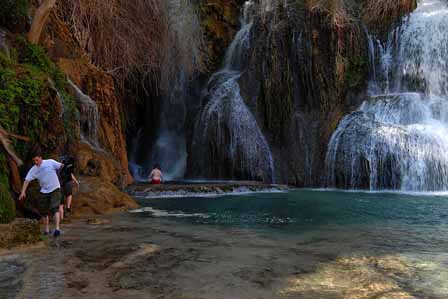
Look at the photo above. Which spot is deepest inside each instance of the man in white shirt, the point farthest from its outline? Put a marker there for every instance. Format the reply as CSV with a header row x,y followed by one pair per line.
x,y
50,189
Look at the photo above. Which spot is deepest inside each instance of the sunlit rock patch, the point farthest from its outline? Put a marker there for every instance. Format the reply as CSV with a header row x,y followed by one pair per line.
x,y
357,278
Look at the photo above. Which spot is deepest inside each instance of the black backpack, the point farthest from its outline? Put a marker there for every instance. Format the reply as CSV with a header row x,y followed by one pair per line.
x,y
68,169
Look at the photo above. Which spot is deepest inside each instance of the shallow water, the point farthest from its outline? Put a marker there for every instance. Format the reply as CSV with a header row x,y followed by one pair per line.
x,y
397,240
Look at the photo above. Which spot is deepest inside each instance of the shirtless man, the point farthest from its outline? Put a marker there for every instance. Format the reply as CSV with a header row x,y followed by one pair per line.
x,y
156,175
50,189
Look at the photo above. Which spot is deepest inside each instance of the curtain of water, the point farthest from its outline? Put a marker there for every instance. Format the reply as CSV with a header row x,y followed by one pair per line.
x,y
226,121
170,149
398,138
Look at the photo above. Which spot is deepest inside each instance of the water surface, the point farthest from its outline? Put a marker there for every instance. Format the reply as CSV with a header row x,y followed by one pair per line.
x,y
407,234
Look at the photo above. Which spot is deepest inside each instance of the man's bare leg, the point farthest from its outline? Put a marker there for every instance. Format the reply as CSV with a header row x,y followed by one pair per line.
x,y
69,202
56,220
61,212
47,224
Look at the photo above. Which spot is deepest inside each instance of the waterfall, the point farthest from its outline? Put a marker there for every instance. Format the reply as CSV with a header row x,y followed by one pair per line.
x,y
89,116
165,142
381,62
398,138
226,132
170,149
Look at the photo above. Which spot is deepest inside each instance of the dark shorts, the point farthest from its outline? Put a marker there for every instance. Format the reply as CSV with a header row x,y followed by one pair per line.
x,y
48,203
67,189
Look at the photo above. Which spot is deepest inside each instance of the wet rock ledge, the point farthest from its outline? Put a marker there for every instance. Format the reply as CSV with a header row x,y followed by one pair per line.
x,y
198,189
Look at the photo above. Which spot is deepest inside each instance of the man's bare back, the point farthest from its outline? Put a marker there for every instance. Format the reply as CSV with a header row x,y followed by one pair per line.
x,y
156,176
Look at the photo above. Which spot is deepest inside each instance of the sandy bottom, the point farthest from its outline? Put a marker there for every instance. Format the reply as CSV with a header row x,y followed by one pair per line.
x,y
117,258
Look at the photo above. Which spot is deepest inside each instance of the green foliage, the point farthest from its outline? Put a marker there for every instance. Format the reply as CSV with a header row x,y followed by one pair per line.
x,y
24,82
16,89
29,86
36,56
20,85
7,206
356,72
13,13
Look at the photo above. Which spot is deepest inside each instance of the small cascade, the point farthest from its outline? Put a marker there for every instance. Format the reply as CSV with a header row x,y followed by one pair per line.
x,y
89,116
381,62
225,130
398,138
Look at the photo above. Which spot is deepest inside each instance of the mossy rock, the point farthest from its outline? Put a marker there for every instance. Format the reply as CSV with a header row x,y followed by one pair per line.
x,y
35,102
19,232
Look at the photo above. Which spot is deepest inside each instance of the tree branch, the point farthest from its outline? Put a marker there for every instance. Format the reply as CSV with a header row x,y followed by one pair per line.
x,y
39,20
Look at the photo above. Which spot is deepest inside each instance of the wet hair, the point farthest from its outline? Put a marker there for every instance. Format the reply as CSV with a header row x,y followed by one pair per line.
x,y
156,166
37,154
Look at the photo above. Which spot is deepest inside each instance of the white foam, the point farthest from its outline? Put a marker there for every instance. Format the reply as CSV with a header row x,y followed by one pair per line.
x,y
163,213
398,192
211,194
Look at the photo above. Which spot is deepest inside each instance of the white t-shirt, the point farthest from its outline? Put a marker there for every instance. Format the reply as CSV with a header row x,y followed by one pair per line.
x,y
46,175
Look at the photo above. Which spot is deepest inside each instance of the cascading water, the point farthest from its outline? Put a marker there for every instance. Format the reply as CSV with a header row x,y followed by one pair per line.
x,y
167,146
89,116
170,149
225,130
398,138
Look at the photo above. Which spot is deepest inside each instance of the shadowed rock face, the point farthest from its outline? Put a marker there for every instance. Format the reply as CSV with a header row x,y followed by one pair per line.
x,y
297,83
220,20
